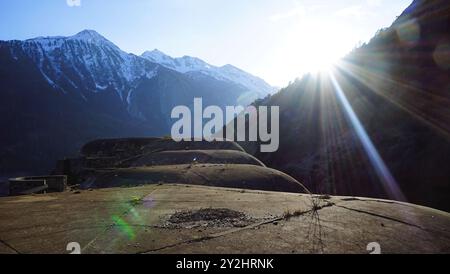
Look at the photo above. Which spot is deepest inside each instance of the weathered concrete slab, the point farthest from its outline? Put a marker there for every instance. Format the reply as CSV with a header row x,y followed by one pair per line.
x,y
139,220
136,146
220,175
182,157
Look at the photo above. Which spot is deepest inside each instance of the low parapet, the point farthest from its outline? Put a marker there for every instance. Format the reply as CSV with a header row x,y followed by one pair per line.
x,y
37,184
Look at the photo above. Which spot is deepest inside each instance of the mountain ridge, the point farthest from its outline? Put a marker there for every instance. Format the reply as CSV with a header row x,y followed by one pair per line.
x,y
189,64
47,44
58,93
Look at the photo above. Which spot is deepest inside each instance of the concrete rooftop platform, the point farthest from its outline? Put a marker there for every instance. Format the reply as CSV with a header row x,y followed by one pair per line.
x,y
166,219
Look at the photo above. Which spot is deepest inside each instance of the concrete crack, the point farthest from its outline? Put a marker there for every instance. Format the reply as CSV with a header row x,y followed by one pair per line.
x,y
213,236
9,246
375,201
315,209
111,226
381,216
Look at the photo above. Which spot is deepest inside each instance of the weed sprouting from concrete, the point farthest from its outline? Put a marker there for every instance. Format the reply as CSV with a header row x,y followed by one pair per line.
x,y
135,201
315,232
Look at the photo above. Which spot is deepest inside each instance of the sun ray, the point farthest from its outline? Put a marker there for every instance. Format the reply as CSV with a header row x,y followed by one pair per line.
x,y
386,178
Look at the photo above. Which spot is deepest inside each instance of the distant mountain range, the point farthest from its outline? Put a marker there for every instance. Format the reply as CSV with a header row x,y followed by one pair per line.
x,y
57,93
191,65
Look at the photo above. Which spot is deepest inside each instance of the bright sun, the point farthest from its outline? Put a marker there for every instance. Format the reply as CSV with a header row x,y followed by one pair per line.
x,y
318,46
318,58
313,47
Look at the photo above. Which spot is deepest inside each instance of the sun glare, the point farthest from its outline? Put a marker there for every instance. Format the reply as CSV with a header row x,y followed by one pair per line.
x,y
318,59
319,46
314,46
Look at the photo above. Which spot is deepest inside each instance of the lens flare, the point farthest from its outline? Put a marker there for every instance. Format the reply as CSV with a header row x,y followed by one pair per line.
x,y
441,55
149,202
388,181
409,31
124,227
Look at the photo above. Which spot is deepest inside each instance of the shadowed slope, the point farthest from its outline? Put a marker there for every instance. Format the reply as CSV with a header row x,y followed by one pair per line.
x,y
398,88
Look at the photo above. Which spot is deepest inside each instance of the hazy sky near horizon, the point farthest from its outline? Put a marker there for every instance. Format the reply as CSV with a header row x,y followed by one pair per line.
x,y
277,40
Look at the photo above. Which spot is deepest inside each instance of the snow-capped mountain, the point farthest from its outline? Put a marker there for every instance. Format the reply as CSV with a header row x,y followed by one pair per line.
x,y
69,90
86,61
187,64
183,64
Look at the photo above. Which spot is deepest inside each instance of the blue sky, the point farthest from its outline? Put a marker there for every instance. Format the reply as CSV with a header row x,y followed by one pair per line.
x,y
277,40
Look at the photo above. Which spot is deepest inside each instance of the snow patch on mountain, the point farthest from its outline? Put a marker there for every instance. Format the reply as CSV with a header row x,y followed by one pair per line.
x,y
86,60
88,63
187,64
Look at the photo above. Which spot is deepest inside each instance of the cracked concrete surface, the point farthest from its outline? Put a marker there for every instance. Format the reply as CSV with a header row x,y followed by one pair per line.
x,y
129,220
